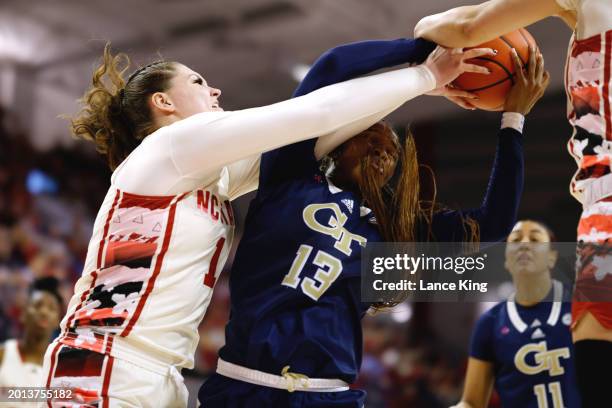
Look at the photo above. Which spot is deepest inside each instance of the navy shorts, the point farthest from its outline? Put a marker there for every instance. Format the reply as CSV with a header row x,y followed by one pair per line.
x,y
220,391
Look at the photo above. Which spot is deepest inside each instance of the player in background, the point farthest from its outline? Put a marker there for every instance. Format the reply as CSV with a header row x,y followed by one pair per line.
x,y
165,227
523,346
21,359
588,74
295,284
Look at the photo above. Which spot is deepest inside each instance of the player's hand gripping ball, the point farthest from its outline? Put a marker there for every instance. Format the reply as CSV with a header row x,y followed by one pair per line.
x,y
492,89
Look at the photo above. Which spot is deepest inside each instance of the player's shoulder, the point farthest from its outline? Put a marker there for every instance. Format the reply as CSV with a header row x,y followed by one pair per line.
x,y
494,311
305,187
488,318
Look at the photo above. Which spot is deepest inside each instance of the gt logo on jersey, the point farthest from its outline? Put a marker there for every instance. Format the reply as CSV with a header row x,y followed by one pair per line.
x,y
335,225
546,360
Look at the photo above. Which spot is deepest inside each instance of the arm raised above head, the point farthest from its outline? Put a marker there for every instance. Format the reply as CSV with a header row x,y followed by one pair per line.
x,y
499,208
468,26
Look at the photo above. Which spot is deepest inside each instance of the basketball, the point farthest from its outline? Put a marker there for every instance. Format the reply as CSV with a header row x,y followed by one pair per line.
x,y
493,88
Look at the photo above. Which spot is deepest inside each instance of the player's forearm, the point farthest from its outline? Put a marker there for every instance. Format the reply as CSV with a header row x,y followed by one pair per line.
x,y
328,143
240,134
499,208
500,205
349,61
478,396
478,384
450,28
469,26
352,60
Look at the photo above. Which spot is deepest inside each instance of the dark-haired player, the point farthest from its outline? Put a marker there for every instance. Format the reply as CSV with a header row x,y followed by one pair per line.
x,y
21,359
296,285
523,346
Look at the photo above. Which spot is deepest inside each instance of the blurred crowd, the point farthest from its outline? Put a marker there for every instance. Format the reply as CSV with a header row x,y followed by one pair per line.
x,y
47,204
48,201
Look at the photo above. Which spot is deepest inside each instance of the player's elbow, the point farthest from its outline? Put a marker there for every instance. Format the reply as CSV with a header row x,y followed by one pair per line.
x,y
427,28
455,33
420,29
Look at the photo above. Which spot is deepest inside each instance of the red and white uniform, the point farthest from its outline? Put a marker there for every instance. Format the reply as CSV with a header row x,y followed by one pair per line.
x,y
166,225
588,80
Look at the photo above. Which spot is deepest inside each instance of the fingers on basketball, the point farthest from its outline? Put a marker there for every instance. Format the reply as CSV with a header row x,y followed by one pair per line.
x,y
493,88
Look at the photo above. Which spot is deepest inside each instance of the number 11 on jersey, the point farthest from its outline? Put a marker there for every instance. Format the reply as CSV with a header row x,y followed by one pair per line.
x,y
555,391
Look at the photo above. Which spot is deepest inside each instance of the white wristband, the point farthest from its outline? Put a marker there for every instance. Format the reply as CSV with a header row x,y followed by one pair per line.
x,y
513,120
430,77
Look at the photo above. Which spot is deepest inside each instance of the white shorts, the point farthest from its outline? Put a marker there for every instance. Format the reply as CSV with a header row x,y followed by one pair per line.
x,y
98,380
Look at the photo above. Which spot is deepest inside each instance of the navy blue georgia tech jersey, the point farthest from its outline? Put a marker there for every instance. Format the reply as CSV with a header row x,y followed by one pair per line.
x,y
295,283
531,352
295,286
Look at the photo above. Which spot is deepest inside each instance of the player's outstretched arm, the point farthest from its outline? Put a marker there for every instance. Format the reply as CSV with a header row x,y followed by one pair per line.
x,y
498,211
343,107
469,26
336,65
351,60
478,384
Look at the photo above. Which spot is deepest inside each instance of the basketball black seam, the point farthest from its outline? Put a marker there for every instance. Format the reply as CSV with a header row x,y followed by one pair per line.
x,y
508,73
511,46
489,86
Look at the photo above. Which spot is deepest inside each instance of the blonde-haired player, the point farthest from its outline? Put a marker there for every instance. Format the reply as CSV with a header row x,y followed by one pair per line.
x,y
588,77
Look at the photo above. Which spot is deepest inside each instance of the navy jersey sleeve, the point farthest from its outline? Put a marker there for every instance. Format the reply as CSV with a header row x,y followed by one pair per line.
x,y
481,345
337,65
498,212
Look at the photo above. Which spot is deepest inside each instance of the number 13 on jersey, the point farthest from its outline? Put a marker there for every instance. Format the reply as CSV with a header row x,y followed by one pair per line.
x,y
329,268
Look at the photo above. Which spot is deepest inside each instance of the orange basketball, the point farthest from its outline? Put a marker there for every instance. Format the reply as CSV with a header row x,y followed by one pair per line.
x,y
493,88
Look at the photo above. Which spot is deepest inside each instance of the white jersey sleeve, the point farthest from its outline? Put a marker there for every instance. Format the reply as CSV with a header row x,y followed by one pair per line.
x,y
191,152
243,176
593,16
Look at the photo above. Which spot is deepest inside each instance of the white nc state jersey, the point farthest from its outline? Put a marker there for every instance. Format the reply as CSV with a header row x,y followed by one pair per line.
x,y
587,80
594,16
151,266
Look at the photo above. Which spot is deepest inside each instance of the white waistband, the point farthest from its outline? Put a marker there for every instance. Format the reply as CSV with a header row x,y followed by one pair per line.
x,y
123,350
597,189
287,381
